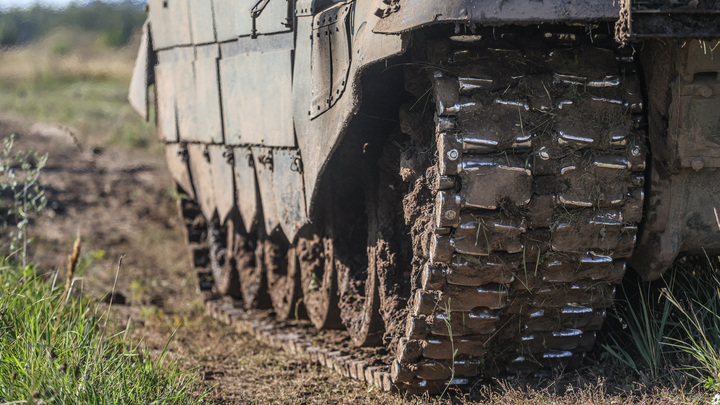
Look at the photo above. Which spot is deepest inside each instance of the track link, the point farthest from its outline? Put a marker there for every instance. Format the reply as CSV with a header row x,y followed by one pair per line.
x,y
327,348
537,190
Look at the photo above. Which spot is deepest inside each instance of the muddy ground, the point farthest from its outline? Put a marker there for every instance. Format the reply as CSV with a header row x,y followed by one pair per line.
x,y
121,203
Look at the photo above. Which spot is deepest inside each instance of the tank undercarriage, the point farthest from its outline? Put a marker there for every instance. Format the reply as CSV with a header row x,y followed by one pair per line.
x,y
485,228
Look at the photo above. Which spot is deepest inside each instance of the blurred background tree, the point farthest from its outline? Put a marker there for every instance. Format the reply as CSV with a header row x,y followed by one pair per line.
x,y
113,22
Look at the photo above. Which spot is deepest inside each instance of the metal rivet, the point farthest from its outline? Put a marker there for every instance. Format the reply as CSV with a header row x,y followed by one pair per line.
x,y
635,151
453,154
706,91
450,214
544,155
697,164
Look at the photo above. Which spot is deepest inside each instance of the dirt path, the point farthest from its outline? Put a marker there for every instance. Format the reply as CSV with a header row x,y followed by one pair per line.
x,y
120,202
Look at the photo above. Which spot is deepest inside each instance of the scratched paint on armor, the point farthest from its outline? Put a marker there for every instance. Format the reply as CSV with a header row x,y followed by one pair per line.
x,y
207,114
273,18
243,20
321,71
264,165
178,166
222,180
186,102
330,58
167,118
201,173
416,13
257,98
246,187
340,50
289,191
224,17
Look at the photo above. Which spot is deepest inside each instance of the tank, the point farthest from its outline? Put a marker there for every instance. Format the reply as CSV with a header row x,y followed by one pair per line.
x,y
458,184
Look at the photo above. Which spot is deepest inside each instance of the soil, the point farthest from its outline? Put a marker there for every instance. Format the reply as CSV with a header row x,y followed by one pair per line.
x,y
119,200
121,204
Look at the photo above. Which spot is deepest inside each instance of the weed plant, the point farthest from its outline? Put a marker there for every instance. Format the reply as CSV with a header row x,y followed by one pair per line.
x,y
22,196
670,328
55,344
645,327
447,317
59,351
697,308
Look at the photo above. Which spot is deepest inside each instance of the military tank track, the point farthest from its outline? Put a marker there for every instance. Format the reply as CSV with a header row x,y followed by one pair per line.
x,y
538,190
195,228
328,347
522,216
324,347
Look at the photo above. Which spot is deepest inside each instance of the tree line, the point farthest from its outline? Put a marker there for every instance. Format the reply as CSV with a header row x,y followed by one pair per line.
x,y
114,22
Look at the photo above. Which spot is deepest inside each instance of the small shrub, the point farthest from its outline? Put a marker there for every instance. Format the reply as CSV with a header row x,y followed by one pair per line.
x,y
671,327
645,322
22,195
697,305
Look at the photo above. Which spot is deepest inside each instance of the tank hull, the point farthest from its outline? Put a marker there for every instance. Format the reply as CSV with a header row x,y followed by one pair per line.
x,y
424,173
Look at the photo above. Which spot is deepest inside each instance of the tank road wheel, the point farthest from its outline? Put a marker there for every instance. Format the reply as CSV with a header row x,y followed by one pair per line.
x,y
217,252
371,302
319,281
245,256
283,277
224,257
536,192
359,301
356,270
360,304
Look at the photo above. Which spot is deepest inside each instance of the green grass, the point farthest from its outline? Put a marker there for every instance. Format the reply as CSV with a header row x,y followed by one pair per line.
x,y
646,326
670,329
53,349
92,105
84,87
60,351
698,334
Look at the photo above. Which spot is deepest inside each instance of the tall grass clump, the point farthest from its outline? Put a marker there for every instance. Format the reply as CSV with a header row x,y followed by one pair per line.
x,y
670,328
56,345
645,321
697,307
59,351
22,197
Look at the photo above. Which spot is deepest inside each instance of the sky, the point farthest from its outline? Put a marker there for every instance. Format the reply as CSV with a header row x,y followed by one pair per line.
x,y
5,4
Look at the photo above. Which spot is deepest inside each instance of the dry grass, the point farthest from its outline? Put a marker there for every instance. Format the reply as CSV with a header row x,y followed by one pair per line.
x,y
67,78
68,52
